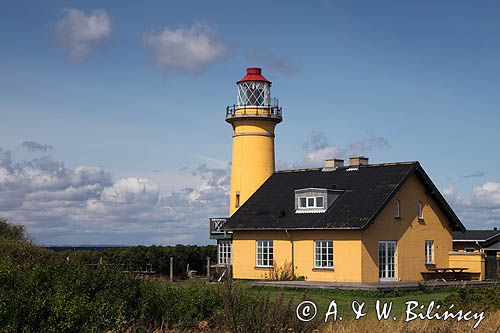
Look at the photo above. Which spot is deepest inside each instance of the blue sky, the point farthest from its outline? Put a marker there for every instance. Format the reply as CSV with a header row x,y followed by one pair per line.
x,y
135,93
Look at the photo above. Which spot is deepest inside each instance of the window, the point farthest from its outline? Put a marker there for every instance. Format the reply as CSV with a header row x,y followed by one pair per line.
x,y
420,215
429,252
312,202
469,249
265,253
253,93
224,252
237,204
302,202
397,212
323,254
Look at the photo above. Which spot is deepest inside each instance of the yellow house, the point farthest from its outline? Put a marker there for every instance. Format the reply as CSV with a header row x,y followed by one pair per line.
x,y
359,222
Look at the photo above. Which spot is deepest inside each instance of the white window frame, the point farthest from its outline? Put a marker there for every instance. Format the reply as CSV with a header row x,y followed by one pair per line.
x,y
225,252
254,91
314,200
322,248
397,213
264,253
420,210
429,252
387,261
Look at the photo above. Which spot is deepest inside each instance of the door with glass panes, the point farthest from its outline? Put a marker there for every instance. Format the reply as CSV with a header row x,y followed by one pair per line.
x,y
387,260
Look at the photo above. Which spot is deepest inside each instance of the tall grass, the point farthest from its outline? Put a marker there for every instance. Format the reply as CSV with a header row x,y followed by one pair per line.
x,y
243,312
490,324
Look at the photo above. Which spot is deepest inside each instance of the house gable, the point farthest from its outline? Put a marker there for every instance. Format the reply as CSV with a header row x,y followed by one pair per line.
x,y
409,232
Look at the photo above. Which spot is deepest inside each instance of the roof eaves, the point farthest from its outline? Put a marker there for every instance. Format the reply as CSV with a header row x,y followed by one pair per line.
x,y
480,239
294,228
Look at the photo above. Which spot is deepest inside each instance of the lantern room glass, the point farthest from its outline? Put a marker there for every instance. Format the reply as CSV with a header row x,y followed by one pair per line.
x,y
254,93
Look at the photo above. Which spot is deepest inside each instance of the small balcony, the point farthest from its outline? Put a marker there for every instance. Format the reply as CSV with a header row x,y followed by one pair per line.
x,y
216,230
271,112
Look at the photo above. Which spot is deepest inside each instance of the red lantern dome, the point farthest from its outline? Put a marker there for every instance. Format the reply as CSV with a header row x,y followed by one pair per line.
x,y
254,74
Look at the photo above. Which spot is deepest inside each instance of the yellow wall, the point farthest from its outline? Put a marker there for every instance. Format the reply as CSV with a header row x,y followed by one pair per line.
x,y
346,254
252,157
474,261
409,233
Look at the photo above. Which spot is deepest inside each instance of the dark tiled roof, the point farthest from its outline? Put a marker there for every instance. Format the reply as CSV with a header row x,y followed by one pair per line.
x,y
366,192
475,235
494,247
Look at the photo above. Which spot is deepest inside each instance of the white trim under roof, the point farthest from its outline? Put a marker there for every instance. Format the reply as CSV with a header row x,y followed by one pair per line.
x,y
307,211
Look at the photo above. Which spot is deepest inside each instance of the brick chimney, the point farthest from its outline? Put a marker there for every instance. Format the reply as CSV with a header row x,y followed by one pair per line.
x,y
332,164
356,161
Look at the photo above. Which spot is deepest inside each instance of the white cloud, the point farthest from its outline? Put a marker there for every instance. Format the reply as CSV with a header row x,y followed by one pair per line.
x,y
84,205
480,209
189,48
486,195
131,190
79,33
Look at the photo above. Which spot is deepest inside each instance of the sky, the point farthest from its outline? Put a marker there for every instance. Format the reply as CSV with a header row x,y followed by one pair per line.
x,y
112,113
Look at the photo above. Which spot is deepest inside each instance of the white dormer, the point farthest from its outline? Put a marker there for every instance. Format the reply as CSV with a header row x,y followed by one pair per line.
x,y
314,200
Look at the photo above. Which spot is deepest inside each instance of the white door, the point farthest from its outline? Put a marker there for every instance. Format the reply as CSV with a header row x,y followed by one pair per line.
x,y
387,260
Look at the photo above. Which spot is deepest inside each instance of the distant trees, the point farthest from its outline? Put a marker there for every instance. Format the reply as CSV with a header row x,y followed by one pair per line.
x,y
137,257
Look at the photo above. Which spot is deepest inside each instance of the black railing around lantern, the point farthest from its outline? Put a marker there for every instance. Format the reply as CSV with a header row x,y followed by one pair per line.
x,y
273,111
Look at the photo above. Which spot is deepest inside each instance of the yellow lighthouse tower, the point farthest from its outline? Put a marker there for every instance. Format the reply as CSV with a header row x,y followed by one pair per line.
x,y
253,119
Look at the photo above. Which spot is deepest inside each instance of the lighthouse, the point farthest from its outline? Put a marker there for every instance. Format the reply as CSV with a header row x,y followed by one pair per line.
x,y
253,119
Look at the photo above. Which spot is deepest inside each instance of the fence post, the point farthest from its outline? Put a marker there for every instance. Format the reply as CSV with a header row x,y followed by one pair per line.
x,y
208,269
229,273
171,269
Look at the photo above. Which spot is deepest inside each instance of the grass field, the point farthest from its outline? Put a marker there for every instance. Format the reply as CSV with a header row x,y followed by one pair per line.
x,y
344,298
370,323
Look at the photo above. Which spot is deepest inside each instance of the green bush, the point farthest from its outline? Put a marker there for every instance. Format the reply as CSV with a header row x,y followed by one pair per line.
x,y
21,252
56,296
475,298
12,232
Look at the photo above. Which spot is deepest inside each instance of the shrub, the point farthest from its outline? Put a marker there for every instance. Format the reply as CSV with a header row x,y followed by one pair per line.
x,y
475,298
245,313
56,296
284,273
12,232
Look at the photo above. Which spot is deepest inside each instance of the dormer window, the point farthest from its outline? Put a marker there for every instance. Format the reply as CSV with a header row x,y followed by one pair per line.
x,y
314,200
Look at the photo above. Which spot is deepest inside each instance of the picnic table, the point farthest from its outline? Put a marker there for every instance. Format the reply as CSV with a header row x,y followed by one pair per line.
x,y
446,273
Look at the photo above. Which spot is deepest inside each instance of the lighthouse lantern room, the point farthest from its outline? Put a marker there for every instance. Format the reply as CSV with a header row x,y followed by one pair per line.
x,y
254,89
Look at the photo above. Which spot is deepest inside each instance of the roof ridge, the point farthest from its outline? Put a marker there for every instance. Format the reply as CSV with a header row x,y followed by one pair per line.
x,y
347,166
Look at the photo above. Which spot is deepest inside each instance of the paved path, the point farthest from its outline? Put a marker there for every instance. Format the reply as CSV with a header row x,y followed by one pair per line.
x,y
383,286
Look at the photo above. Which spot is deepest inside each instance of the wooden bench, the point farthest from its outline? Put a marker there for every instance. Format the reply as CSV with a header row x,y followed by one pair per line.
x,y
450,274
